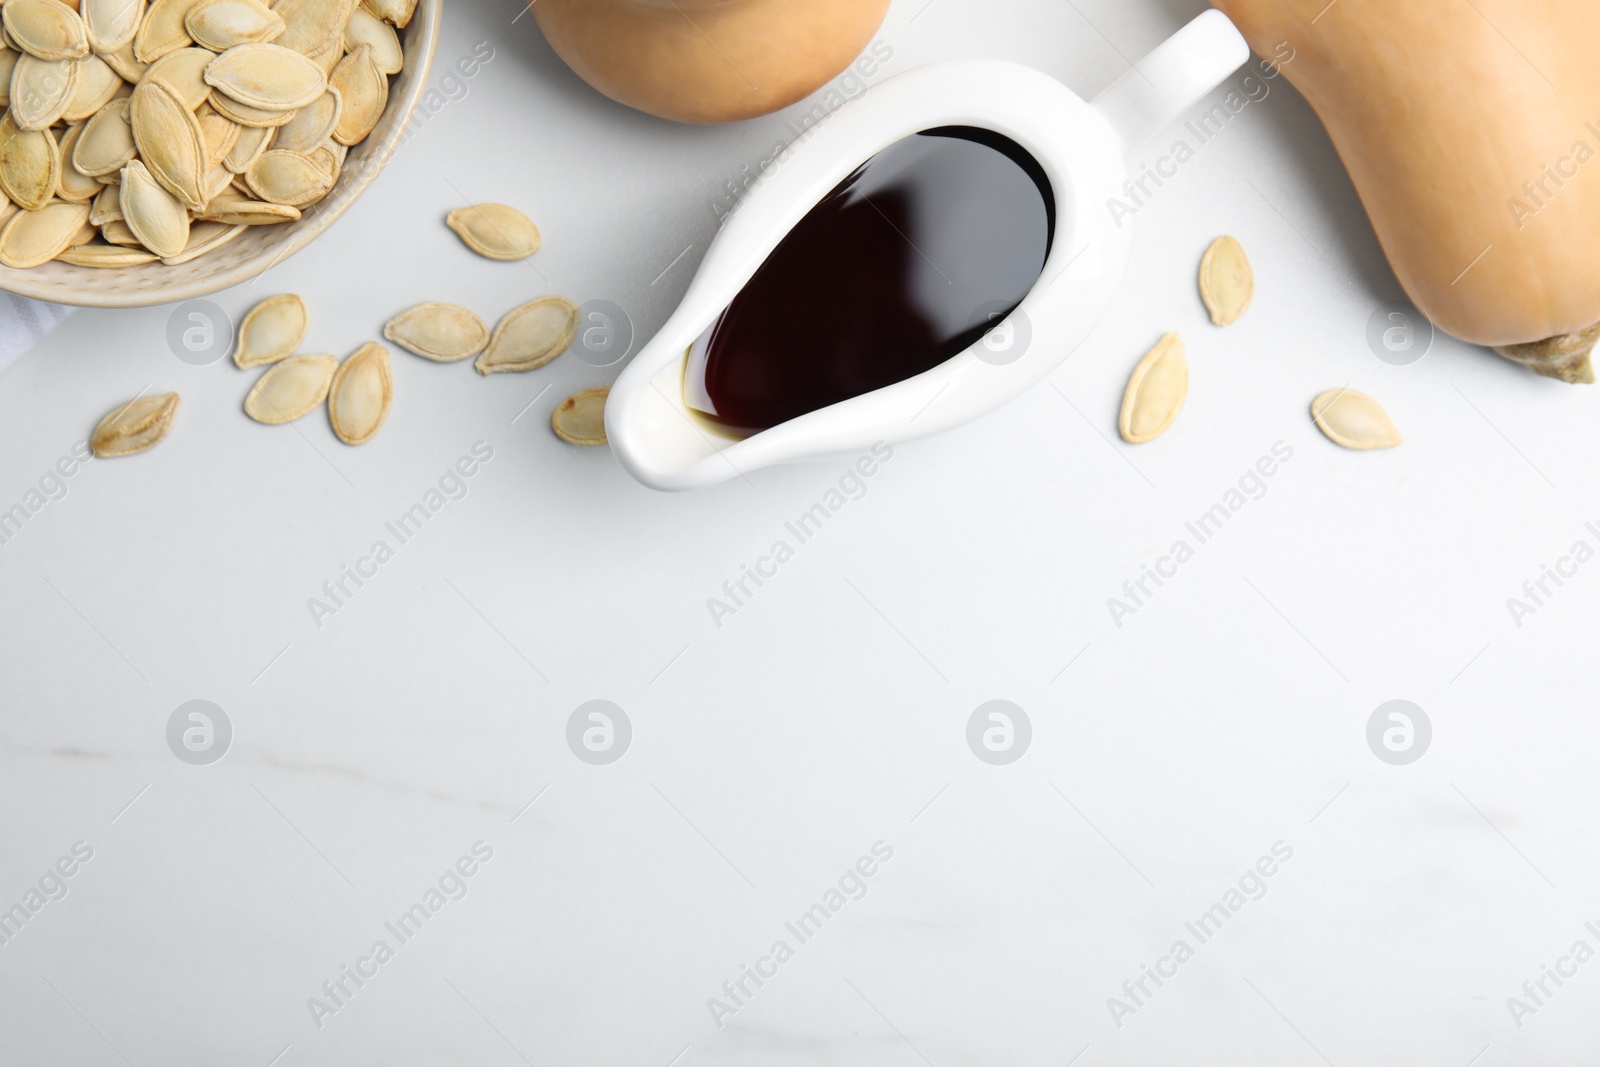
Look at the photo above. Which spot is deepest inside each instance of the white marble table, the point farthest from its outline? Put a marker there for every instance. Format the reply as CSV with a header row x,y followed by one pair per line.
x,y
812,749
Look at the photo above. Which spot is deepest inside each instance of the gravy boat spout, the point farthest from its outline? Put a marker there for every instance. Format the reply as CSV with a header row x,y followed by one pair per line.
x,y
1080,147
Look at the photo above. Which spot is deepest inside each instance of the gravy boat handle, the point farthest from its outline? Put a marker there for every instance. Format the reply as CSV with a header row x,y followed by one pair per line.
x,y
1173,78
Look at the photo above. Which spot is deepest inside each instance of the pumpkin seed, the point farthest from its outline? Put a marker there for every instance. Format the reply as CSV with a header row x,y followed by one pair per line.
x,y
398,12
157,218
288,178
530,336
273,330
580,419
1353,420
133,427
162,30
169,139
366,28
30,164
1156,392
106,256
242,211
245,115
41,89
219,133
1226,281
328,57
107,206
107,141
85,234
313,24
440,332
266,76
118,233
35,237
8,64
360,394
204,237
74,186
221,24
125,63
98,85
329,158
290,390
111,24
495,231
311,125
184,71
46,29
364,90
253,140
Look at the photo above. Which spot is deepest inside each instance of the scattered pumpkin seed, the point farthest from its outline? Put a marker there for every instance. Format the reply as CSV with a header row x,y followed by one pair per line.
x,y
530,336
291,389
580,419
1353,420
1156,391
495,231
443,333
360,395
272,330
133,427
1227,283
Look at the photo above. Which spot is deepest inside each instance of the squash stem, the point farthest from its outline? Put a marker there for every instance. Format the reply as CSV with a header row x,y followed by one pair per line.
x,y
1565,356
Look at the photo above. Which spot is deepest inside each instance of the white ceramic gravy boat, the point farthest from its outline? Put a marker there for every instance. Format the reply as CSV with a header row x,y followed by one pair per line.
x,y
1081,147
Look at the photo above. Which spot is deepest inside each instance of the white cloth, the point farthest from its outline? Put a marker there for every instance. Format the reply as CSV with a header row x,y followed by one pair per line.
x,y
24,323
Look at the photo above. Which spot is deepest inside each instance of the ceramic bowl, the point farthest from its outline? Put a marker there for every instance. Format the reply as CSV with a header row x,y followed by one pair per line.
x,y
260,247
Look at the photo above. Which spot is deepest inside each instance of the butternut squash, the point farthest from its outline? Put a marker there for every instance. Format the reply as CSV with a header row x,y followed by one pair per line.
x,y
1471,130
712,60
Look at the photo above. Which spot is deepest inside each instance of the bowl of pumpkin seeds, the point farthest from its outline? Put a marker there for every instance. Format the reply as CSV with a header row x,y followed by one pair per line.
x,y
160,150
